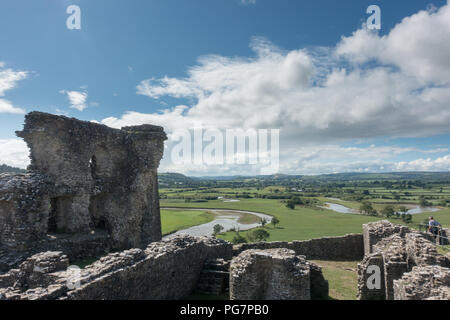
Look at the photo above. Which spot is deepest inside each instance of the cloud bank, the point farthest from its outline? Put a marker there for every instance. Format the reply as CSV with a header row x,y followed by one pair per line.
x,y
367,86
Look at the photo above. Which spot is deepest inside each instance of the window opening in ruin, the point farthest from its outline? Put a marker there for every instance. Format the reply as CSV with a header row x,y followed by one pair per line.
x,y
101,224
93,166
52,224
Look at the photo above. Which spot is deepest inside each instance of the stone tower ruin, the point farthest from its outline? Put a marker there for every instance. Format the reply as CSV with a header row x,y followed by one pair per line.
x,y
84,179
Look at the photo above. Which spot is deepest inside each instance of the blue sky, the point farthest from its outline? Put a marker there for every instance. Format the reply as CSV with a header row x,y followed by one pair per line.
x,y
95,74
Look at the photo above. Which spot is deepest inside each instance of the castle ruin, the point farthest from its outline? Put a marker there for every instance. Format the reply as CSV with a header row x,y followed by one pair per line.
x,y
91,189
87,184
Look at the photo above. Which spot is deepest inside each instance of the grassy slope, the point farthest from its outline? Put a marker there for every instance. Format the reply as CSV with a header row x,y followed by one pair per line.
x,y
174,220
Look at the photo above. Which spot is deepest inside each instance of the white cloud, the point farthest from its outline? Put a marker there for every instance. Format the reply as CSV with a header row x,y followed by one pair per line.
x,y
14,152
312,95
7,107
418,45
246,2
333,158
320,96
8,80
77,99
439,164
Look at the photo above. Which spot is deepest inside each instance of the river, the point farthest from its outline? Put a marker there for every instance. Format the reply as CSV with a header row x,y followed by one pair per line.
x,y
228,219
413,209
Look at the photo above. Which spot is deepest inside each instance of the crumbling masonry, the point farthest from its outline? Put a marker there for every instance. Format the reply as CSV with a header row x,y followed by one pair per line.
x,y
89,189
275,274
409,264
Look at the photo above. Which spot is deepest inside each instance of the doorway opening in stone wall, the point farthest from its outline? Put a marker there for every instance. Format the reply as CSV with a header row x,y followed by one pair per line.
x,y
52,225
97,213
60,209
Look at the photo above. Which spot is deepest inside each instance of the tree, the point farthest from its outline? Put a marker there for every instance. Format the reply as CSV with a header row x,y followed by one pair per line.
x,y
260,235
290,204
423,201
217,229
275,221
263,222
366,208
443,203
408,218
388,211
403,209
237,239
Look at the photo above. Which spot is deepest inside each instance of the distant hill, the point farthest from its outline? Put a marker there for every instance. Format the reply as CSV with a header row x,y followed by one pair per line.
x,y
7,169
355,176
169,178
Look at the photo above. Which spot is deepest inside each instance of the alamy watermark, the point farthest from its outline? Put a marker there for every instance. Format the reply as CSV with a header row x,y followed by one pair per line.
x,y
374,280
201,146
73,280
374,21
73,22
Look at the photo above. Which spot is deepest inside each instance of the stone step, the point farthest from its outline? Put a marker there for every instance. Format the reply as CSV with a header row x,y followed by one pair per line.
x,y
214,278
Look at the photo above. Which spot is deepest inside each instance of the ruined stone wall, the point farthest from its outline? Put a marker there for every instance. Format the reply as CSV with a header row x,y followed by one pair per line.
x,y
349,247
164,270
83,178
24,209
275,274
424,283
374,232
400,254
445,236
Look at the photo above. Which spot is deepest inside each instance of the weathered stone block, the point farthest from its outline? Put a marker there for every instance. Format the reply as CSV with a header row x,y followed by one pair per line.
x,y
273,274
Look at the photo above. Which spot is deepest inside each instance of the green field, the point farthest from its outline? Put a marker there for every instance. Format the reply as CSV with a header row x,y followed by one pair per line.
x,y
299,224
342,278
174,220
303,223
443,216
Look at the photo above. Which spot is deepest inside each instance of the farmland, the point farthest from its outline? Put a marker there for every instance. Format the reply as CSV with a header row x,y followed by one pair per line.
x,y
309,219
